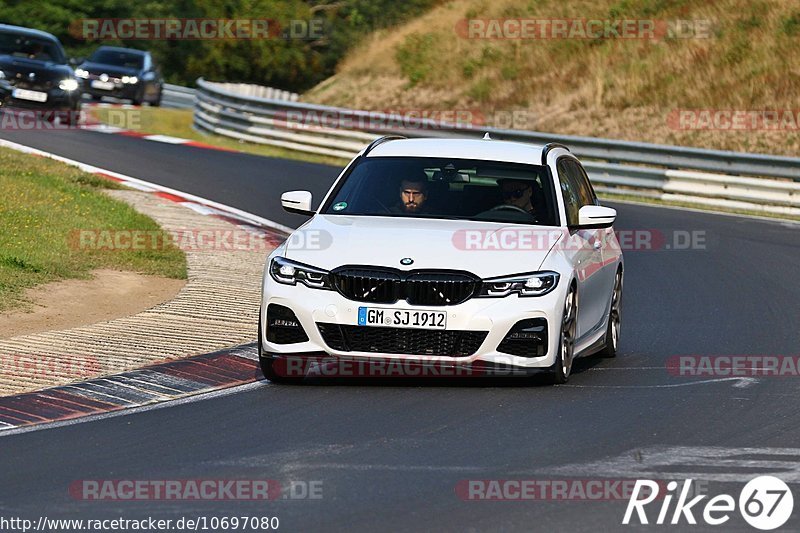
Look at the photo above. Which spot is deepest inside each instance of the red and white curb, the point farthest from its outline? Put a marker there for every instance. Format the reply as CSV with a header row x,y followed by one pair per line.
x,y
154,384
103,128
146,386
167,139
243,219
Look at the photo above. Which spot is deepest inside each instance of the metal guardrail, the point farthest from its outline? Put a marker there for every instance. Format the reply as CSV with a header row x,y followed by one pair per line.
x,y
177,97
762,183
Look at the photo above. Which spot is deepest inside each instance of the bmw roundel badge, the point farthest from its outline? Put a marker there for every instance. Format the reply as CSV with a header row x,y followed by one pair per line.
x,y
406,261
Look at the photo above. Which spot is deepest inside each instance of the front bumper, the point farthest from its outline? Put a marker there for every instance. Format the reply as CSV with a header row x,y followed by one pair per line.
x,y
57,100
494,316
122,91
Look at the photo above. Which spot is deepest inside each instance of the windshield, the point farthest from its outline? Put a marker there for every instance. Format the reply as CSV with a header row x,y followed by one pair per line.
x,y
16,45
461,189
118,58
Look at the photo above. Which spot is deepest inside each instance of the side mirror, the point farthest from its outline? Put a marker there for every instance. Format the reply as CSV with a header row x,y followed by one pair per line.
x,y
297,202
596,216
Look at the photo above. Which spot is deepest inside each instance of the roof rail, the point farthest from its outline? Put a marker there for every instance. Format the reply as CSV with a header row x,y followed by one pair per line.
x,y
551,146
381,140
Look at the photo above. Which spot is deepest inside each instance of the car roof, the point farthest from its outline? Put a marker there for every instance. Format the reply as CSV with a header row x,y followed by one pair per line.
x,y
121,49
29,32
484,149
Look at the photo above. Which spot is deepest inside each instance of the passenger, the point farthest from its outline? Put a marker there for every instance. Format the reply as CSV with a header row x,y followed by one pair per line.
x,y
518,193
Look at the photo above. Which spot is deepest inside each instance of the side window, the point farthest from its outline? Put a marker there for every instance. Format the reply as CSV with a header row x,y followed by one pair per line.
x,y
588,197
569,191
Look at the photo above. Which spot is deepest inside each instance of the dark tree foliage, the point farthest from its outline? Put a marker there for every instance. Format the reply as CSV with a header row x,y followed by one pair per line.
x,y
293,62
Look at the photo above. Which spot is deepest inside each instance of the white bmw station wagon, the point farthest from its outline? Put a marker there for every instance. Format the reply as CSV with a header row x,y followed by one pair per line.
x,y
459,253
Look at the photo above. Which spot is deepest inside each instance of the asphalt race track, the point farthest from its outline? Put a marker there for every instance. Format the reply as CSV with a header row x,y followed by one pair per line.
x,y
389,456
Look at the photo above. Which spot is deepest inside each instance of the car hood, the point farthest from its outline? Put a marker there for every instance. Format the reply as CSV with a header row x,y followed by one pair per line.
x,y
111,70
484,248
14,67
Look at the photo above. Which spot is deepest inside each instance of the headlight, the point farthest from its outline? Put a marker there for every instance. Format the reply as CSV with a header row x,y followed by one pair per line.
x,y
289,272
2,75
68,85
81,73
130,79
531,284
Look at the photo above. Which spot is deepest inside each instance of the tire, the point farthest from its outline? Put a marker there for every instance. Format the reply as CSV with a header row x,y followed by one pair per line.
x,y
138,100
267,364
614,319
561,369
157,101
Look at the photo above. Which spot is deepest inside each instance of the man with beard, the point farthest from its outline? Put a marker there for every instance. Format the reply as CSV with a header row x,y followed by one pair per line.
x,y
413,194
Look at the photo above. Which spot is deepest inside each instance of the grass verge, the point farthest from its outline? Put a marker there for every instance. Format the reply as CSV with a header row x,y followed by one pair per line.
x,y
42,204
178,123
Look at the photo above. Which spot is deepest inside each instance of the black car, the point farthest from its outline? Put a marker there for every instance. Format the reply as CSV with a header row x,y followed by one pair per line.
x,y
122,73
35,74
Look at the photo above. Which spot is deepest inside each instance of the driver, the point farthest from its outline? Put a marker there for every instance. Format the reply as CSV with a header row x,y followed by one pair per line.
x,y
517,193
413,194
35,50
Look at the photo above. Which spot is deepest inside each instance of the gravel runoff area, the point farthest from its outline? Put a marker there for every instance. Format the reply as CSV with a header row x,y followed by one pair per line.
x,y
216,309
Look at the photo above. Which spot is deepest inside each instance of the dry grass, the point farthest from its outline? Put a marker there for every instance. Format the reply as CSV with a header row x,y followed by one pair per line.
x,y
619,88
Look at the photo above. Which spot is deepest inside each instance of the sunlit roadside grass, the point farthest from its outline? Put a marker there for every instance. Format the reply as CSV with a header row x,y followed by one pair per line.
x,y
43,204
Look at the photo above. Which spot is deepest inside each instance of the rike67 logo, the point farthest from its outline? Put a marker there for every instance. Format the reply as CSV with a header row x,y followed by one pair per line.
x,y
765,503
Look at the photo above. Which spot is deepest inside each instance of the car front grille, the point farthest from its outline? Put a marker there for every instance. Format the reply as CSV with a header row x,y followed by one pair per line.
x,y
30,85
417,287
112,79
386,340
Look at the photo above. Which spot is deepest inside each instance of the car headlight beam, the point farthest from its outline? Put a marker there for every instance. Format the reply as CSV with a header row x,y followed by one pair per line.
x,y
132,80
529,284
69,84
81,73
291,272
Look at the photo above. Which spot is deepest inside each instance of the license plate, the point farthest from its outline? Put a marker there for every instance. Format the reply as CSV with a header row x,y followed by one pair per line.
x,y
25,94
401,318
103,85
